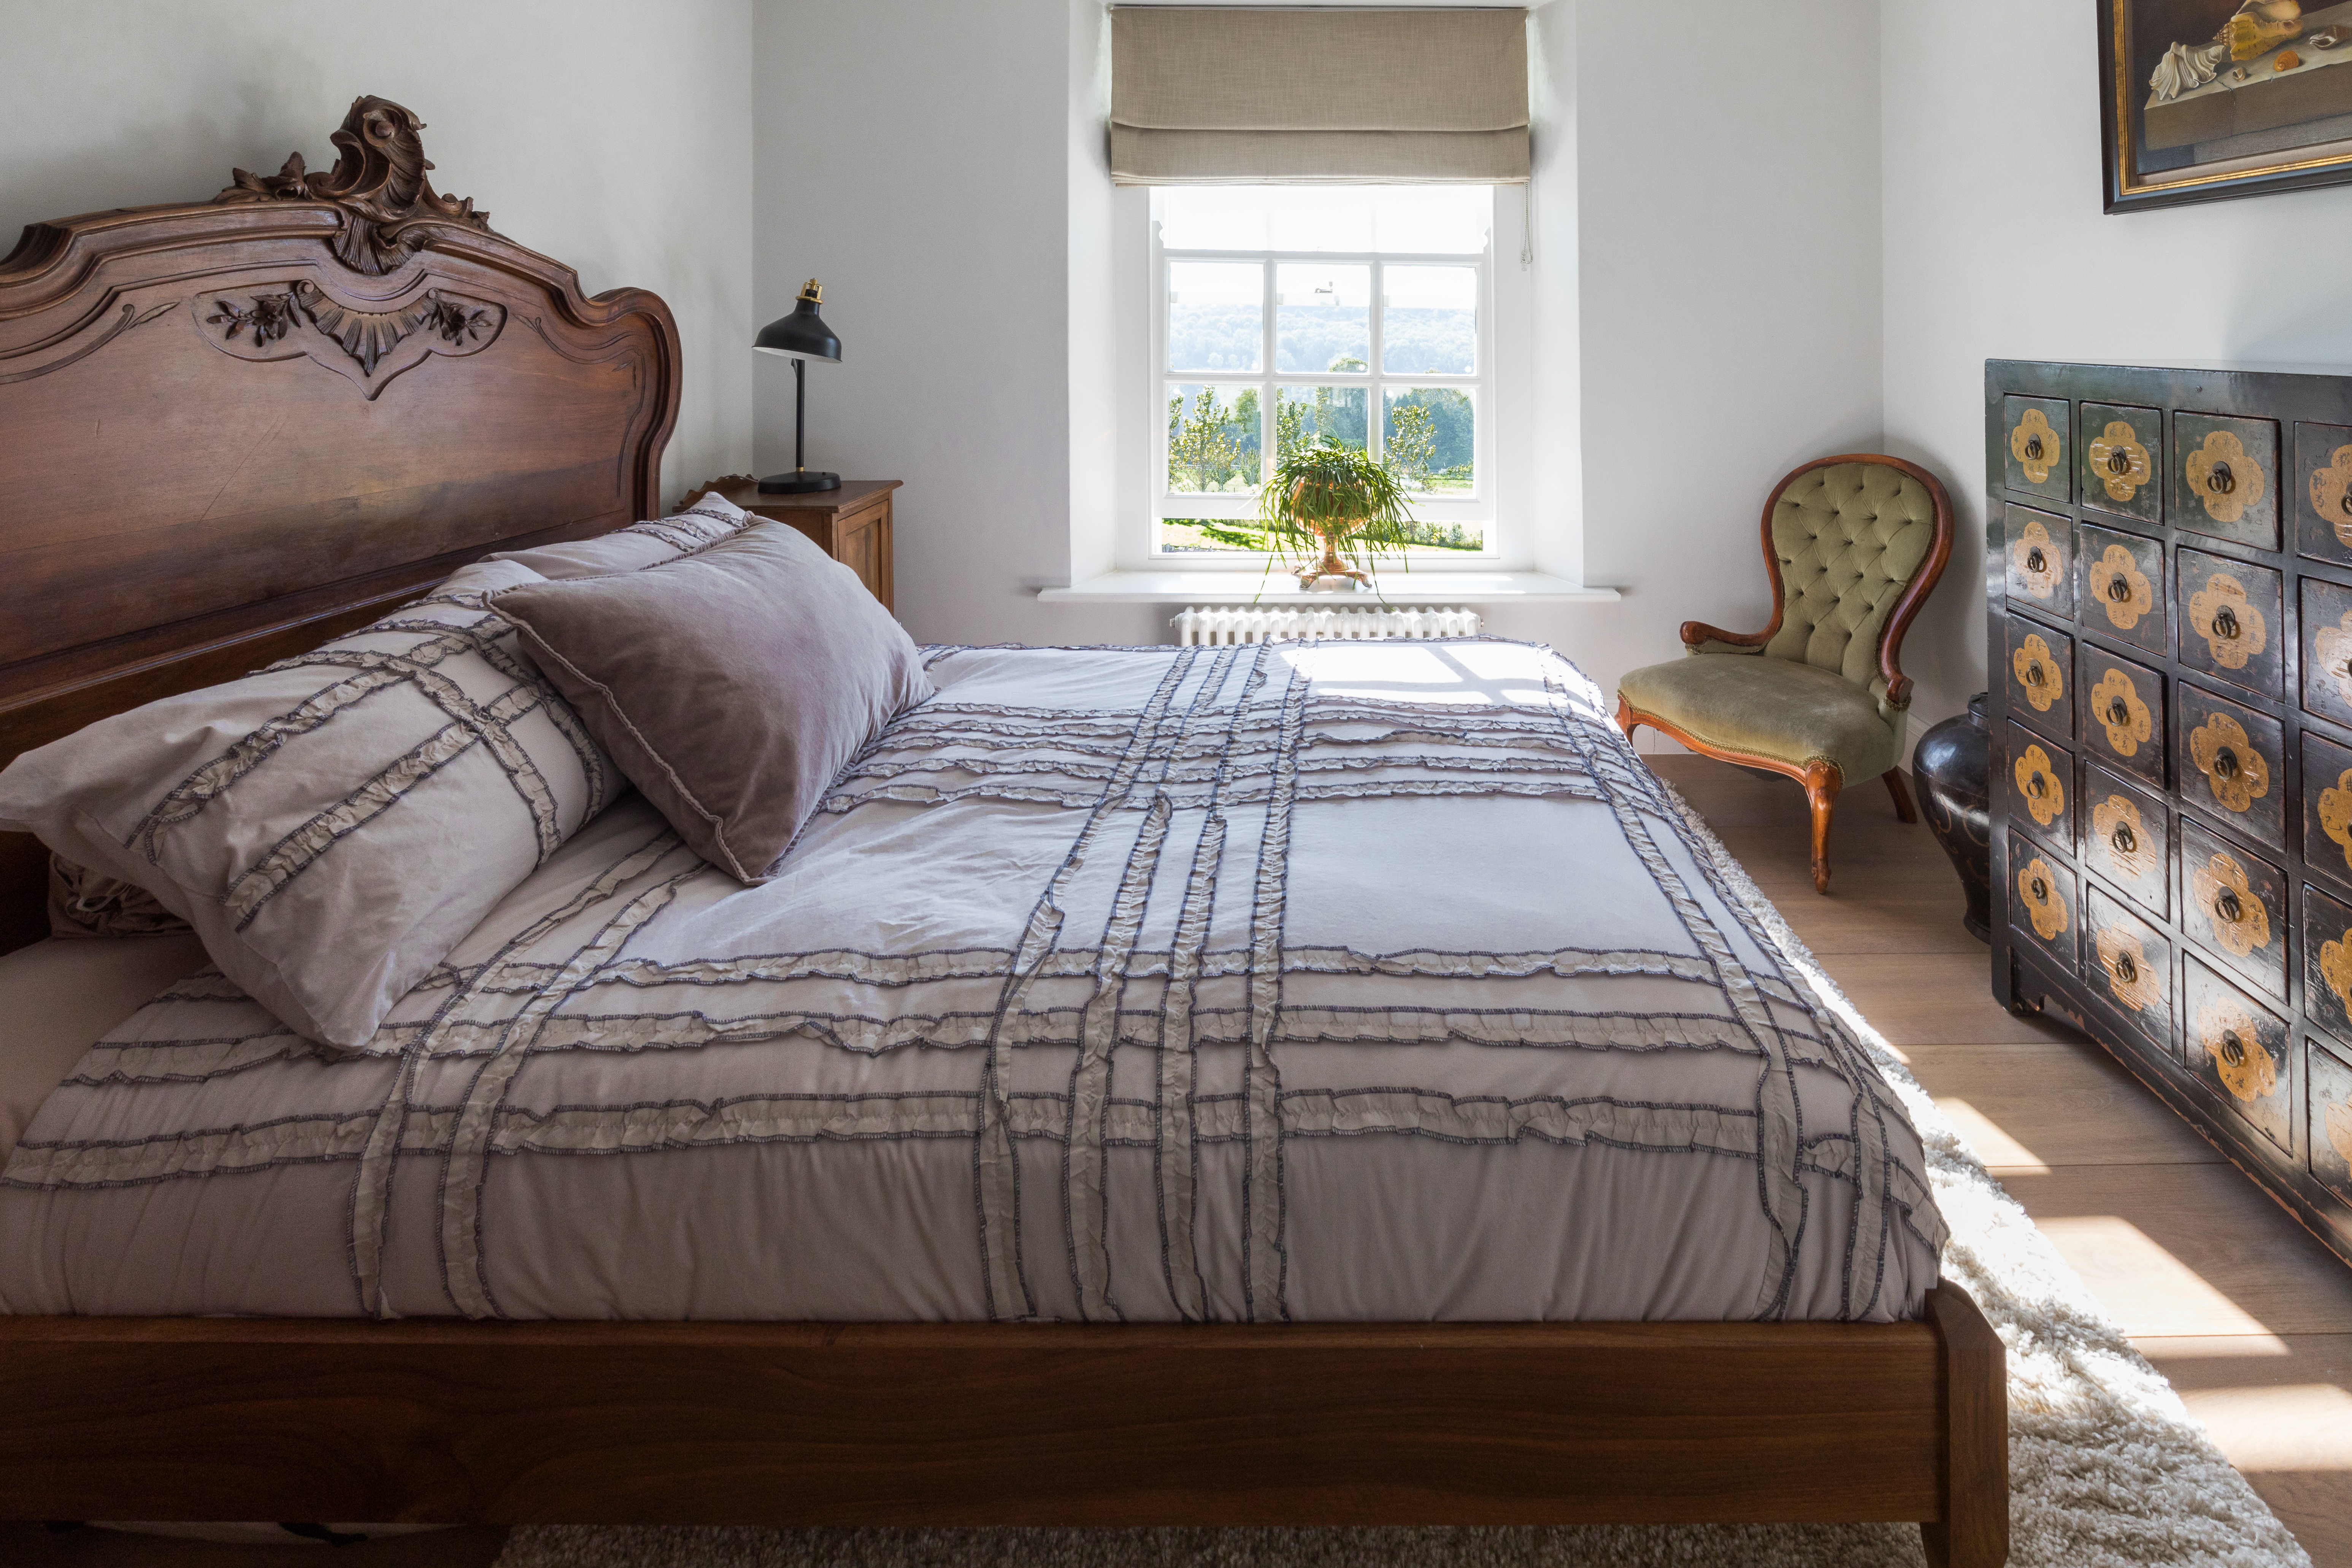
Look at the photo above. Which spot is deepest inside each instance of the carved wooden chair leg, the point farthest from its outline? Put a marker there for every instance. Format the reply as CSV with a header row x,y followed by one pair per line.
x,y
1903,810
1627,719
1823,782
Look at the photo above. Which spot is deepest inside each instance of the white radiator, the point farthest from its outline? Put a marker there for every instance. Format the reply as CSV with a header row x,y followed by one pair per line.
x,y
1221,624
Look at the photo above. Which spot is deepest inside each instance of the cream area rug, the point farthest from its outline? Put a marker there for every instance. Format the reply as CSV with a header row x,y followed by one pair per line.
x,y
2107,1469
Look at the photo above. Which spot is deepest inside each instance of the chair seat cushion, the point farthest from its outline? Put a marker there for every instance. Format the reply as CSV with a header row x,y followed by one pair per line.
x,y
1772,707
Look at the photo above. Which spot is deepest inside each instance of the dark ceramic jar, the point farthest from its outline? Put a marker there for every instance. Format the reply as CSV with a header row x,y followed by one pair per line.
x,y
1952,768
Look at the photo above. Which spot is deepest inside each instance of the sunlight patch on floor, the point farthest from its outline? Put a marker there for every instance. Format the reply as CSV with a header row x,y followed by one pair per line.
x,y
2280,1426
2134,1267
1991,1141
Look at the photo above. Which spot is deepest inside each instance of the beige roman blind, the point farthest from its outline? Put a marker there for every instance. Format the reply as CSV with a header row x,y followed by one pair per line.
x,y
1203,93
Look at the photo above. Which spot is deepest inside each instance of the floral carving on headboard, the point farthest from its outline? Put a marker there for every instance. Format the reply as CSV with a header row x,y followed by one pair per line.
x,y
367,347
389,209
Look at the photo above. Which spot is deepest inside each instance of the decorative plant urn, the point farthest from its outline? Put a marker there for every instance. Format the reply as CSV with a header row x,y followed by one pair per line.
x,y
1952,767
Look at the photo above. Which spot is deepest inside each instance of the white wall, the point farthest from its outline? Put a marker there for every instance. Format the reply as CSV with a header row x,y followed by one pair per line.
x,y
1996,248
611,134
920,157
1725,307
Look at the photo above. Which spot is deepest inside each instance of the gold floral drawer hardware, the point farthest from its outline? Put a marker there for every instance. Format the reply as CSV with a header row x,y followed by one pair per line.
x,y
2120,588
2331,494
2133,978
2039,672
2336,814
2116,703
2241,921
2336,969
2327,806
2035,557
2232,626
2230,1038
2233,770
2120,461
2036,445
2327,666
2037,781
2045,902
2224,476
2117,823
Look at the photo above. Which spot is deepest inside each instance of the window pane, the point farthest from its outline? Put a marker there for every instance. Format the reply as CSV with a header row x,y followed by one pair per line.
x,y
1211,535
1429,321
1216,315
1322,316
1429,435
1213,438
1433,220
1307,414
1325,217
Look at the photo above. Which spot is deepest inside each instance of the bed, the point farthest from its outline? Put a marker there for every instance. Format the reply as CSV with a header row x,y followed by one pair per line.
x,y
1274,1084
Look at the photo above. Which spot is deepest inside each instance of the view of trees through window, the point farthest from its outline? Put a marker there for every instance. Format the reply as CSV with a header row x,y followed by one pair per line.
x,y
1313,344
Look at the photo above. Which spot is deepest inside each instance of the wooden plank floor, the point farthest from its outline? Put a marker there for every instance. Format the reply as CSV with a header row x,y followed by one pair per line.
x,y
2232,1299
2250,1318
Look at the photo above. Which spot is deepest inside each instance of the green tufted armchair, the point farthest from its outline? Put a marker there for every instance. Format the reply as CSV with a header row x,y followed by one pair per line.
x,y
1853,545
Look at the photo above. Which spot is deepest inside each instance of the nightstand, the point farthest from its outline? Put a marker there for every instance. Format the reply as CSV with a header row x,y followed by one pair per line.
x,y
851,524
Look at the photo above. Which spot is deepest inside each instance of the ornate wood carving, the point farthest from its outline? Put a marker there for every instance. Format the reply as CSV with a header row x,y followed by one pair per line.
x,y
369,347
389,206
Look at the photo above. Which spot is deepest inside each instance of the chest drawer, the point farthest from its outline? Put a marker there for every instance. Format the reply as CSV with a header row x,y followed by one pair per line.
x,y
2041,571
2327,650
2035,435
2122,449
2327,808
2129,966
2225,478
2228,762
2231,621
2233,905
2044,910
2127,839
2241,1051
2327,961
2040,774
2041,682
2122,578
2330,1135
2323,460
2121,714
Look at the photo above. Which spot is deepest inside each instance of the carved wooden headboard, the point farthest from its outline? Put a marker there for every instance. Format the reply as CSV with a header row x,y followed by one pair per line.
x,y
235,427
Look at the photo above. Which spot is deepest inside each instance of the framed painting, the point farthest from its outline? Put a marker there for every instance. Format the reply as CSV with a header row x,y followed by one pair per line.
x,y
2205,100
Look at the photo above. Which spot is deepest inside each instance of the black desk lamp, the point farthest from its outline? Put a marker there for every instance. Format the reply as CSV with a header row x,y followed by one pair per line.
x,y
801,337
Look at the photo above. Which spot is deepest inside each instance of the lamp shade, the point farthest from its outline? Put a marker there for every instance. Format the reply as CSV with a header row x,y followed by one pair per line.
x,y
802,334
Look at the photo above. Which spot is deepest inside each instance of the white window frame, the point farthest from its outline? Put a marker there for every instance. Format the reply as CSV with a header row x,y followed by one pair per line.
x,y
1491,389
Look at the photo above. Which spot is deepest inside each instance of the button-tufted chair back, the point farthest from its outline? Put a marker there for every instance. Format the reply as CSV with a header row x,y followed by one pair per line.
x,y
1847,539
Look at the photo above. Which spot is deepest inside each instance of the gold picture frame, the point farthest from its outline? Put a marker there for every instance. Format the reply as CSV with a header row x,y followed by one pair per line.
x,y
2205,101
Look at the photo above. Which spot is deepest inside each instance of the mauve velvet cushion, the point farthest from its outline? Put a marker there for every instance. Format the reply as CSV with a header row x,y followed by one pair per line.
x,y
730,686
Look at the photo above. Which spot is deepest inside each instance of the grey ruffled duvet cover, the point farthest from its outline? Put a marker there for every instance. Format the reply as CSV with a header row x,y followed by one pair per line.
x,y
1294,981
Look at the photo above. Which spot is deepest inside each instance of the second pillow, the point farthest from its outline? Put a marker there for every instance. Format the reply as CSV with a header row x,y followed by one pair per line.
x,y
730,686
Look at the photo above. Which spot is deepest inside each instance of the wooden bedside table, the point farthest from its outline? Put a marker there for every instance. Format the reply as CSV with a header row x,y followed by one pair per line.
x,y
851,524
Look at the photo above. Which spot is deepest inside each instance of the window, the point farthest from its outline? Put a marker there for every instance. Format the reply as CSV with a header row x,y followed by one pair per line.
x,y
1284,314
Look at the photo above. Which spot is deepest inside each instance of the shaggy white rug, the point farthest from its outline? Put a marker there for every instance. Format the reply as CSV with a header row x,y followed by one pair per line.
x,y
2107,1469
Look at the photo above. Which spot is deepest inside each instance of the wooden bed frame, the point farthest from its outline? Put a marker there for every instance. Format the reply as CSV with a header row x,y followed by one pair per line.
x,y
239,427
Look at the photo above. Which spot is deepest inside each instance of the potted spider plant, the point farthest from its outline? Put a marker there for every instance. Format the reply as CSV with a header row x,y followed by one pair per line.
x,y
1337,507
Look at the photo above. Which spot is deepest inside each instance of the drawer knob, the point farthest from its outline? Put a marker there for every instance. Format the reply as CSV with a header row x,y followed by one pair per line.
x,y
2225,763
2220,479
2035,561
2344,504
2127,970
2034,446
2126,841
2033,676
2118,461
2233,1049
2037,785
2227,906
2225,623
2040,888
2117,713
2118,590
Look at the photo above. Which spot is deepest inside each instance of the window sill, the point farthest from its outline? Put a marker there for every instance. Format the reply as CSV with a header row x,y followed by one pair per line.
x,y
1403,587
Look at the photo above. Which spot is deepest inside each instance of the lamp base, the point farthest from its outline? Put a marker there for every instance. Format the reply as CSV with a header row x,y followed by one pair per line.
x,y
799,481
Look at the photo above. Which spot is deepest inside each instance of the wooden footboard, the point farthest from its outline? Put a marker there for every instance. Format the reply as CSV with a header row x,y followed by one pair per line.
x,y
1006,1423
